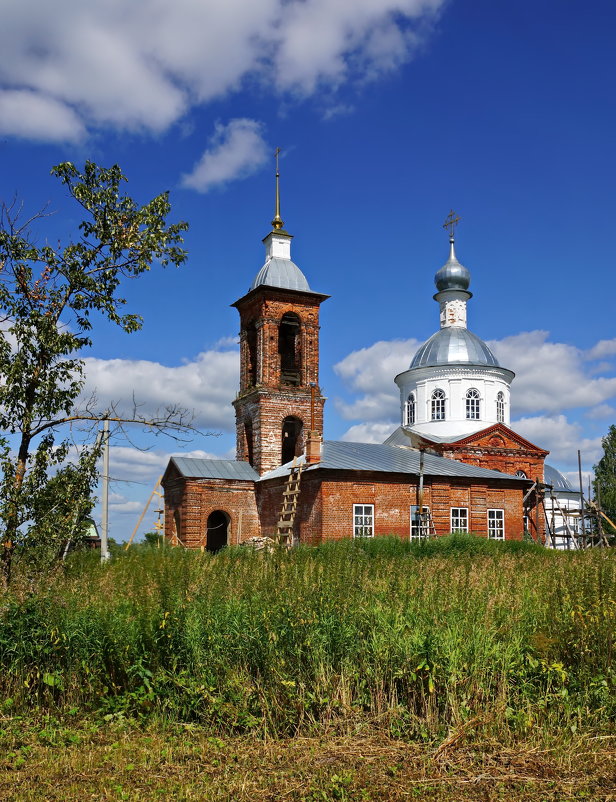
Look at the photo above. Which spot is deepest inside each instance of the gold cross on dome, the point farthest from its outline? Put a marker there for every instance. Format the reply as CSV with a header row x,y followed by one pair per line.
x,y
451,222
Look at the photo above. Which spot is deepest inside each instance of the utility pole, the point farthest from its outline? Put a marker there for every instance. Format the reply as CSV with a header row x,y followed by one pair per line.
x,y
105,500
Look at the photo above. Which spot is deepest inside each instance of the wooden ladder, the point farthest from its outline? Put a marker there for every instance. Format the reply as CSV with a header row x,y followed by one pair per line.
x,y
290,495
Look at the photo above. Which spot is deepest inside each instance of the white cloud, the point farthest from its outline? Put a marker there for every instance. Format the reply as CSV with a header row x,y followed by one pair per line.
x,y
602,411
370,371
205,385
602,349
560,437
549,376
131,465
236,150
142,65
375,432
574,478
124,507
323,43
30,115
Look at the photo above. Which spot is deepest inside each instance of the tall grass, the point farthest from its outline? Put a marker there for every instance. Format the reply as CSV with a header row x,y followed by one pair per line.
x,y
419,637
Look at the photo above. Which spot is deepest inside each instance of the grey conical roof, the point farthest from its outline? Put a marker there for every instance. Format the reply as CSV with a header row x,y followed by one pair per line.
x,y
284,273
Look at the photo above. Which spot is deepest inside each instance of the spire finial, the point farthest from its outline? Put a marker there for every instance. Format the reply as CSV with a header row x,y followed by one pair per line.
x,y
450,223
277,223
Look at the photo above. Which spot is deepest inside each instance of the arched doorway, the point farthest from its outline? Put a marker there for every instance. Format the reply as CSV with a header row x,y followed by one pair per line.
x,y
217,531
291,438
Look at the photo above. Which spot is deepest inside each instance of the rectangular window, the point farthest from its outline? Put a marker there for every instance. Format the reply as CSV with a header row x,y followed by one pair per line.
x,y
459,519
496,524
363,520
420,524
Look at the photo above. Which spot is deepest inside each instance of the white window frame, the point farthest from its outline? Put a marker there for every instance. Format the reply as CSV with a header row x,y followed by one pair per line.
x,y
496,524
363,519
410,410
437,404
500,407
473,404
459,515
415,526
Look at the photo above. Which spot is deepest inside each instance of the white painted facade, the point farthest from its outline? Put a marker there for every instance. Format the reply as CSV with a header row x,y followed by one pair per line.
x,y
277,245
455,381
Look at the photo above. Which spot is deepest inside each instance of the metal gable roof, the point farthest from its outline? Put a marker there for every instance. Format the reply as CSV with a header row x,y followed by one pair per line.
x,y
337,455
193,468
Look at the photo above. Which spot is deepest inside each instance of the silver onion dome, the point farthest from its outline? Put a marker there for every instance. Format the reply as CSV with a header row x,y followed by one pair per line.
x,y
284,273
452,346
452,275
555,478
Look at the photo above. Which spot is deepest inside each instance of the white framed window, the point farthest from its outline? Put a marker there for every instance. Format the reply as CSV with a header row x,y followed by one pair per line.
x,y
420,524
363,520
437,405
521,474
459,519
473,400
496,524
500,407
409,410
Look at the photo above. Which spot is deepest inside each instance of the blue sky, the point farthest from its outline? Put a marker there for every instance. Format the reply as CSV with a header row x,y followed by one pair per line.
x,y
389,114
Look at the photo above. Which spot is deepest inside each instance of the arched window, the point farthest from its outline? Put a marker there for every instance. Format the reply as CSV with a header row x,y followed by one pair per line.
x,y
291,439
289,348
409,410
521,474
472,404
500,407
437,404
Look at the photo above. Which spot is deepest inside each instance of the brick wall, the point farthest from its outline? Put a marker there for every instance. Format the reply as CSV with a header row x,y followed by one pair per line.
x,y
325,511
325,508
264,400
392,500
265,409
193,500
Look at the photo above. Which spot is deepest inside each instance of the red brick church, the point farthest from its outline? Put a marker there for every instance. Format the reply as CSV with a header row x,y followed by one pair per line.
x,y
452,465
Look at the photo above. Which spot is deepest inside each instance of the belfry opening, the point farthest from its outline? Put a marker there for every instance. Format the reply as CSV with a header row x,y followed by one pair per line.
x,y
289,349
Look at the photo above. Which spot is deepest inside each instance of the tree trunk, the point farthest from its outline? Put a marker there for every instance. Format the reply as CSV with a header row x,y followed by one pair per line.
x,y
12,518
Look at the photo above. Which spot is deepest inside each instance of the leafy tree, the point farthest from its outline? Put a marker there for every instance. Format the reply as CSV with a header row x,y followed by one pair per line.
x,y
605,475
48,297
154,539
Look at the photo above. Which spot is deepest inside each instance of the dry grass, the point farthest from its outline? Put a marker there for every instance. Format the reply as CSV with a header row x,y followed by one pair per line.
x,y
119,761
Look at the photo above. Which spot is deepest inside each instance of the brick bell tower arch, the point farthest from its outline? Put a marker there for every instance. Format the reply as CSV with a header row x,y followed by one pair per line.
x,y
279,358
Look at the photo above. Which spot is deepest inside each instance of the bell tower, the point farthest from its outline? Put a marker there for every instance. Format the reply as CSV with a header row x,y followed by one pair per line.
x,y
279,404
